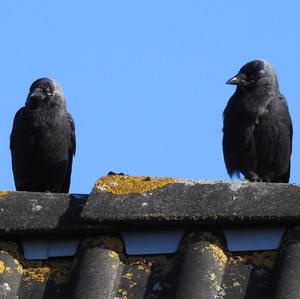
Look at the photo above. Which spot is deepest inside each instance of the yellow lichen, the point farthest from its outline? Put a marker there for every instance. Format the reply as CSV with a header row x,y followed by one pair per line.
x,y
2,267
259,259
141,264
113,254
215,284
218,254
36,274
238,259
132,285
3,193
58,270
19,266
40,271
160,263
123,293
123,184
128,275
212,276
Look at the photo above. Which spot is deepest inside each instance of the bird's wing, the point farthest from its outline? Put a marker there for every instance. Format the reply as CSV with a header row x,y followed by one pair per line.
x,y
274,141
72,149
238,140
286,116
230,133
17,124
20,136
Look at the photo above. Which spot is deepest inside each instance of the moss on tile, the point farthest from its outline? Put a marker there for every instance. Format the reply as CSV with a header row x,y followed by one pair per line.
x,y
114,244
57,270
11,248
258,259
37,273
223,257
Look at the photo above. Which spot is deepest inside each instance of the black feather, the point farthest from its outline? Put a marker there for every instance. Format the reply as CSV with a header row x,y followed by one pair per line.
x,y
43,140
257,131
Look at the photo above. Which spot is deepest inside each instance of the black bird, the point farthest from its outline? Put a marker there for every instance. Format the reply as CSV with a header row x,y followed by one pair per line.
x,y
42,140
257,140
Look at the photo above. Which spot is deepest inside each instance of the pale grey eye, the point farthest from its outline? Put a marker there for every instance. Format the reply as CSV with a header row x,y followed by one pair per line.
x,y
48,91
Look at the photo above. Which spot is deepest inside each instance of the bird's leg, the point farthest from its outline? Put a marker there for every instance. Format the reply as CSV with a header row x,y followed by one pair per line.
x,y
252,176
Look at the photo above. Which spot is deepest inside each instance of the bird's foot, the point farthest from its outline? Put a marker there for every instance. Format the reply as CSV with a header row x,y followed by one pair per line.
x,y
252,177
115,173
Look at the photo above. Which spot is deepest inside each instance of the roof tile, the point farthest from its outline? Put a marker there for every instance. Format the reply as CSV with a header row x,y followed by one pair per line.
x,y
201,267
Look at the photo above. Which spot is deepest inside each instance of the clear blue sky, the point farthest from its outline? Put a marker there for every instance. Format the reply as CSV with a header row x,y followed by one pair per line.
x,y
144,80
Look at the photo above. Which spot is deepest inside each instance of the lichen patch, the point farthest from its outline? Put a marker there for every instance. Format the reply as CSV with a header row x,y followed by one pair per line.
x,y
2,267
123,184
218,254
57,270
5,269
39,274
122,294
113,254
128,275
3,193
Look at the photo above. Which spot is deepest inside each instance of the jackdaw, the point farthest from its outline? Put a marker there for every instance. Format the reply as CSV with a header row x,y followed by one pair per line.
x,y
42,140
257,139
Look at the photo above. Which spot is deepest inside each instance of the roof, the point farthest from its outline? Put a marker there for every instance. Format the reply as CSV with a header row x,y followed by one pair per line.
x,y
144,237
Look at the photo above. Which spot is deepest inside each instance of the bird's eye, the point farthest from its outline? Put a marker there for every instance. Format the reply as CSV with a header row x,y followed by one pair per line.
x,y
48,91
252,79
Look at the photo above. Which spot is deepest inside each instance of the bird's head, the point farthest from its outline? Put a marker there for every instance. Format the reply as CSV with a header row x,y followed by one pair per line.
x,y
255,74
45,92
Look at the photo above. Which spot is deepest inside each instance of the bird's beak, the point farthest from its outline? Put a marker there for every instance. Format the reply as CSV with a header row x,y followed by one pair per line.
x,y
236,80
37,93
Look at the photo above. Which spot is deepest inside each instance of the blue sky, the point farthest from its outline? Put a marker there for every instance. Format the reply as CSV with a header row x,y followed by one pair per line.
x,y
144,80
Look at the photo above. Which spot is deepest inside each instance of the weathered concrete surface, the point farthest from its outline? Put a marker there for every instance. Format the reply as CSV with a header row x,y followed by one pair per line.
x,y
198,202
34,212
165,201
